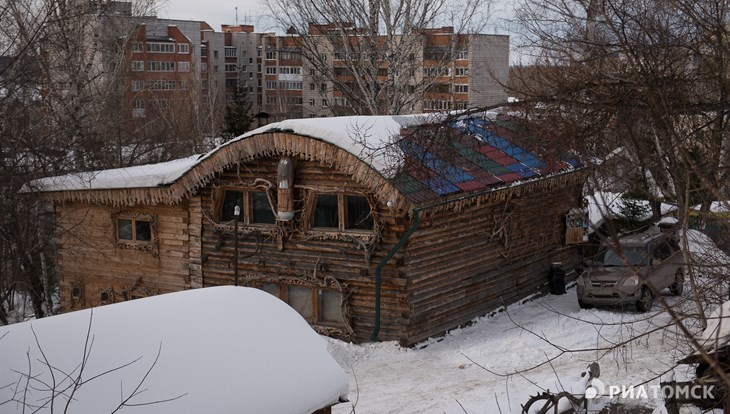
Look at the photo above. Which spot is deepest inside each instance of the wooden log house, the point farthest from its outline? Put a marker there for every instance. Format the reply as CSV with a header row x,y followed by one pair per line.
x,y
382,227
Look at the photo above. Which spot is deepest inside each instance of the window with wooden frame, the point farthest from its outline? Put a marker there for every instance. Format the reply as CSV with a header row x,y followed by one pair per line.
x,y
255,207
317,305
341,212
134,229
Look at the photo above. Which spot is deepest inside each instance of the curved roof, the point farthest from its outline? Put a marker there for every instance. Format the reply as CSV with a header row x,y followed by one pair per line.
x,y
419,158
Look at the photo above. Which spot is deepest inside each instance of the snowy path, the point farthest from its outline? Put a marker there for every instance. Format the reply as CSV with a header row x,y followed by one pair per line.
x,y
433,378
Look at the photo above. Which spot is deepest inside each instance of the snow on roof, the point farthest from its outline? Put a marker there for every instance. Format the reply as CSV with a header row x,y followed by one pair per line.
x,y
362,136
717,207
221,349
717,333
142,176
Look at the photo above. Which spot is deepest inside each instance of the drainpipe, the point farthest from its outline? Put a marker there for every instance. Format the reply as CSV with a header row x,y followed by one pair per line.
x,y
404,239
379,268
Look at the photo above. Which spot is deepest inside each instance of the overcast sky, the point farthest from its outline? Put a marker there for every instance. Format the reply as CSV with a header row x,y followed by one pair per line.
x,y
215,12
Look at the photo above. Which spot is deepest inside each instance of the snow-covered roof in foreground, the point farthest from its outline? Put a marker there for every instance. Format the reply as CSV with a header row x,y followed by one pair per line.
x,y
222,350
362,136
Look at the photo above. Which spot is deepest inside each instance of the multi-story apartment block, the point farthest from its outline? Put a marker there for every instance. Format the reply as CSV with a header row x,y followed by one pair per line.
x,y
195,70
453,71
161,66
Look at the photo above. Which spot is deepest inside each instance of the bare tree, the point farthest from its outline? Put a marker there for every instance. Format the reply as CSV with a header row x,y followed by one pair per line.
x,y
645,82
372,53
58,63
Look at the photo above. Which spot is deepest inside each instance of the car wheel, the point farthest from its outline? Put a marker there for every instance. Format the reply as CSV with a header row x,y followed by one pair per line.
x,y
584,305
678,286
645,300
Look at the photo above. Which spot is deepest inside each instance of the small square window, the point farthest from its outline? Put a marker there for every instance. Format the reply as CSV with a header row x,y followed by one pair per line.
x,y
300,298
142,230
325,211
331,307
230,201
358,213
125,229
134,229
260,208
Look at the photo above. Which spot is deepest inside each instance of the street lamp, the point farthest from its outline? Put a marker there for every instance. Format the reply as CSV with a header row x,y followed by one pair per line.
x,y
236,215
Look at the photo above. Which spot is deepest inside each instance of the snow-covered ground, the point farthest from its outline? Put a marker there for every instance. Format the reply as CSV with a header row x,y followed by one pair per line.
x,y
495,364
443,373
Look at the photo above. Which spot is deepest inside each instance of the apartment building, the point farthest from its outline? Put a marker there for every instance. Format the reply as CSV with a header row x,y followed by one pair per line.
x,y
189,67
160,61
193,69
451,71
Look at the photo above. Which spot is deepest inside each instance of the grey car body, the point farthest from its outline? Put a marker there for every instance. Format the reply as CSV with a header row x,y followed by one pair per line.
x,y
620,274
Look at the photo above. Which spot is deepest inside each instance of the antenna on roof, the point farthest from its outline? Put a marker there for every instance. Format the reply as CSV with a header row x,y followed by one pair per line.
x,y
236,15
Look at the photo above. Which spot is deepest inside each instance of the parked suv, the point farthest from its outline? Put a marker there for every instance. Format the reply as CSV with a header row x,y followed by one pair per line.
x,y
619,275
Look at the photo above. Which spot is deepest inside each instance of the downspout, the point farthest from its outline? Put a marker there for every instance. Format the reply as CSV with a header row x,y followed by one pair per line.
x,y
383,262
407,235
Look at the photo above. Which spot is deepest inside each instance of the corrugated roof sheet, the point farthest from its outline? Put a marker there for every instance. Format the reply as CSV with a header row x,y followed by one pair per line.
x,y
474,154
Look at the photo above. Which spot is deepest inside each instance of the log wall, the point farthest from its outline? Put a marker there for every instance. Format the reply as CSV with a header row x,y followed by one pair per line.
x,y
293,254
463,265
94,269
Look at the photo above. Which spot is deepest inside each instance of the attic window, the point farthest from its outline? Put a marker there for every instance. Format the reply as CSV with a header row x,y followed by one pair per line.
x,y
255,207
342,212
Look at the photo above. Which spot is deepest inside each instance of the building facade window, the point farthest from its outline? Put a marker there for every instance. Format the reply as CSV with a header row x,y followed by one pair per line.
x,y
437,105
290,85
230,52
137,66
137,47
230,67
137,85
271,70
270,85
342,102
183,48
183,66
342,212
461,88
437,71
160,85
138,108
161,66
462,71
312,102
290,70
160,47
270,56
462,54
